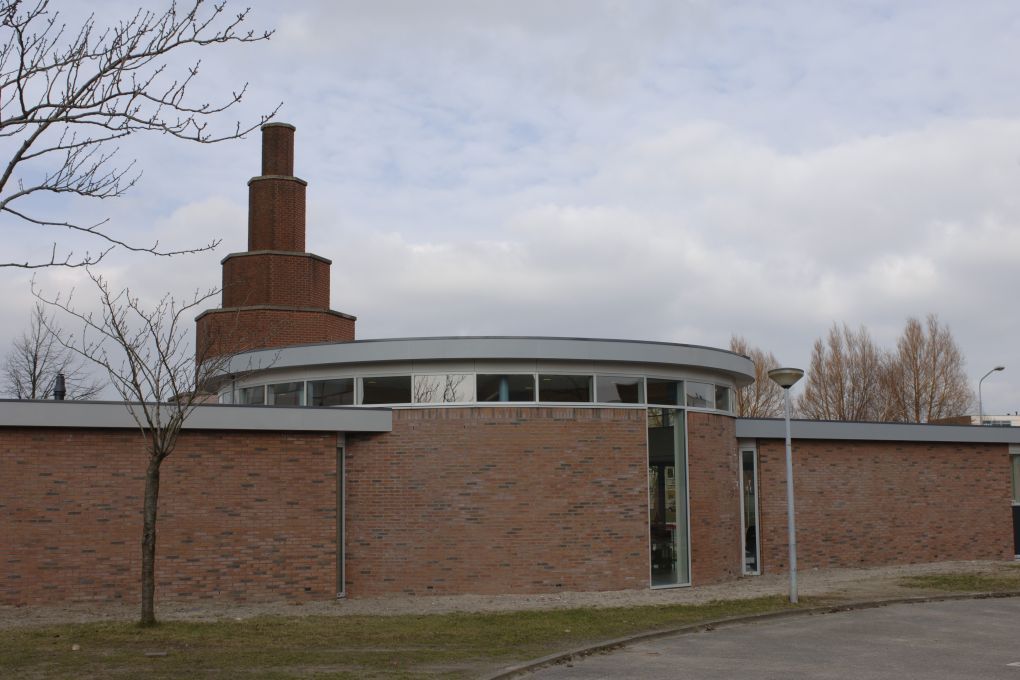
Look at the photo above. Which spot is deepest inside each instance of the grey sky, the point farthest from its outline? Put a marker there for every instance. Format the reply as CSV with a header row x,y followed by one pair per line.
x,y
667,170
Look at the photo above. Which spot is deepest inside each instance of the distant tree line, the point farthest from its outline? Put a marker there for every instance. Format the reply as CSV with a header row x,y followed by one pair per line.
x,y
849,377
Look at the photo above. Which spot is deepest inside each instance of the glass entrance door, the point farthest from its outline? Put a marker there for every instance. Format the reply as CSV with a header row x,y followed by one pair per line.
x,y
667,498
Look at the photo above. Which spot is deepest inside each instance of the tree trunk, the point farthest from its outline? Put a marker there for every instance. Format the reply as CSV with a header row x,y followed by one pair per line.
x,y
149,542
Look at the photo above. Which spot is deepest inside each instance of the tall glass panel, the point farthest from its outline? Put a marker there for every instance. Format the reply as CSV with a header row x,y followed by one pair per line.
x,y
667,498
1016,479
619,389
494,387
749,501
336,392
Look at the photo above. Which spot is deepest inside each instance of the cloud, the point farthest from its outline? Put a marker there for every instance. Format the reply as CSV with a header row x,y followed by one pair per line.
x,y
652,170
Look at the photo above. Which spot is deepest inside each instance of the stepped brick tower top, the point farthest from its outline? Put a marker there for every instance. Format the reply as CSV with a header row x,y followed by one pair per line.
x,y
274,294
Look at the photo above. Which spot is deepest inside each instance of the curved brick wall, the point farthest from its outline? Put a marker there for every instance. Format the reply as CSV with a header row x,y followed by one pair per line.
x,y
499,500
276,213
274,278
715,503
223,331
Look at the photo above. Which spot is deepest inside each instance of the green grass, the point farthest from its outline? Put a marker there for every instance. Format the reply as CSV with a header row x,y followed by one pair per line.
x,y
1005,578
447,645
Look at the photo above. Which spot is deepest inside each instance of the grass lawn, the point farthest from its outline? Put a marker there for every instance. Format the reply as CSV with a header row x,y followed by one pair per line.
x,y
1006,577
438,645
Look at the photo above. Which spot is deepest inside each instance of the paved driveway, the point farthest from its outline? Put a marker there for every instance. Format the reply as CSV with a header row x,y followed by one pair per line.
x,y
936,641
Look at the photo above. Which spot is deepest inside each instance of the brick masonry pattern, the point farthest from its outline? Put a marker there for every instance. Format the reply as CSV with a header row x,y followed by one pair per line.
x,y
862,503
499,500
243,516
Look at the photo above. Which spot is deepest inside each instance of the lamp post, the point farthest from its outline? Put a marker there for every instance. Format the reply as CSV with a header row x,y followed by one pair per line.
x,y
981,410
786,378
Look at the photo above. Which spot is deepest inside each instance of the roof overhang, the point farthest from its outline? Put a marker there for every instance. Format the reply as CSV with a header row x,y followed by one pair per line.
x,y
736,366
114,414
775,428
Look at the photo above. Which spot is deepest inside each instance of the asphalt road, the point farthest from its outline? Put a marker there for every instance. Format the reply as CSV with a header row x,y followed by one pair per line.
x,y
960,639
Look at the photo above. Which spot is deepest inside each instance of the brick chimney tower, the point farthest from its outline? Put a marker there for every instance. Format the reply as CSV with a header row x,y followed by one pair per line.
x,y
274,294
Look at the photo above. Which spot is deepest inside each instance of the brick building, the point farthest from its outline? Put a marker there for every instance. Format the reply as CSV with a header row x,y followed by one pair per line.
x,y
465,464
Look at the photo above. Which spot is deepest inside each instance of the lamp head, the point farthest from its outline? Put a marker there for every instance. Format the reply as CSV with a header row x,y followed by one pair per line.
x,y
786,377
999,368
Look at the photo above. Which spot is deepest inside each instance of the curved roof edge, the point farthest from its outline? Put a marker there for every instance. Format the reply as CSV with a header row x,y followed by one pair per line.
x,y
115,415
735,365
775,428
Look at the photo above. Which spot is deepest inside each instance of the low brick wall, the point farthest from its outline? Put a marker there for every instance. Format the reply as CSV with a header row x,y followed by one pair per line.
x,y
862,503
244,515
499,500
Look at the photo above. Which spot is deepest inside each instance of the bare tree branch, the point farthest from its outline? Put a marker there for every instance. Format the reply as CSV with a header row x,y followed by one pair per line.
x,y
763,398
925,377
67,96
147,355
37,358
844,380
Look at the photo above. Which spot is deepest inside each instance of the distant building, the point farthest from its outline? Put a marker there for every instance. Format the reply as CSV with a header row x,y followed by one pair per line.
x,y
466,464
988,420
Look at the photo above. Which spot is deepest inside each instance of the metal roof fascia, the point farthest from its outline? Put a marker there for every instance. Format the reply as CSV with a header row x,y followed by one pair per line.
x,y
774,428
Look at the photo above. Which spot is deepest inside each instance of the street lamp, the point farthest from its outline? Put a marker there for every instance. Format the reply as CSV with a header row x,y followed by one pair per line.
x,y
981,411
786,378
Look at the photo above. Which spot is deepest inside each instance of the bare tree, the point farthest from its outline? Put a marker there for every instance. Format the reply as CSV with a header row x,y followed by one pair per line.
x,y
37,358
924,378
763,398
844,380
147,356
68,95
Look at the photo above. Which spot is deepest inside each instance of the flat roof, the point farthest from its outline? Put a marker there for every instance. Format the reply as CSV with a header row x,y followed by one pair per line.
x,y
114,414
775,428
736,366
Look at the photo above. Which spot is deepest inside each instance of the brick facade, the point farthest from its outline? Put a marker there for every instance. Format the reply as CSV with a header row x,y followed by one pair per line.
x,y
499,500
715,504
275,278
865,503
225,331
244,516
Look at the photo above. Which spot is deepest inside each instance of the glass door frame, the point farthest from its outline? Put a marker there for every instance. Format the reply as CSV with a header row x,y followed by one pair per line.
x,y
752,448
680,419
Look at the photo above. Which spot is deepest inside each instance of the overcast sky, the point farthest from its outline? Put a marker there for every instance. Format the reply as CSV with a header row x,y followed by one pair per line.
x,y
675,171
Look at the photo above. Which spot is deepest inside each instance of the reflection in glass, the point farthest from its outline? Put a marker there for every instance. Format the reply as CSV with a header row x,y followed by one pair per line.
x,y
723,398
390,389
749,482
619,389
667,496
700,395
505,387
336,392
286,394
664,392
449,388
564,388
252,395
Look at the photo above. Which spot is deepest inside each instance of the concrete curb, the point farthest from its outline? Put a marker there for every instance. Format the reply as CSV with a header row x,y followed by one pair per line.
x,y
704,626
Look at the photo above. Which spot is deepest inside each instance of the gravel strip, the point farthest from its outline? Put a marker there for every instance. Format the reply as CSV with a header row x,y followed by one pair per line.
x,y
870,583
